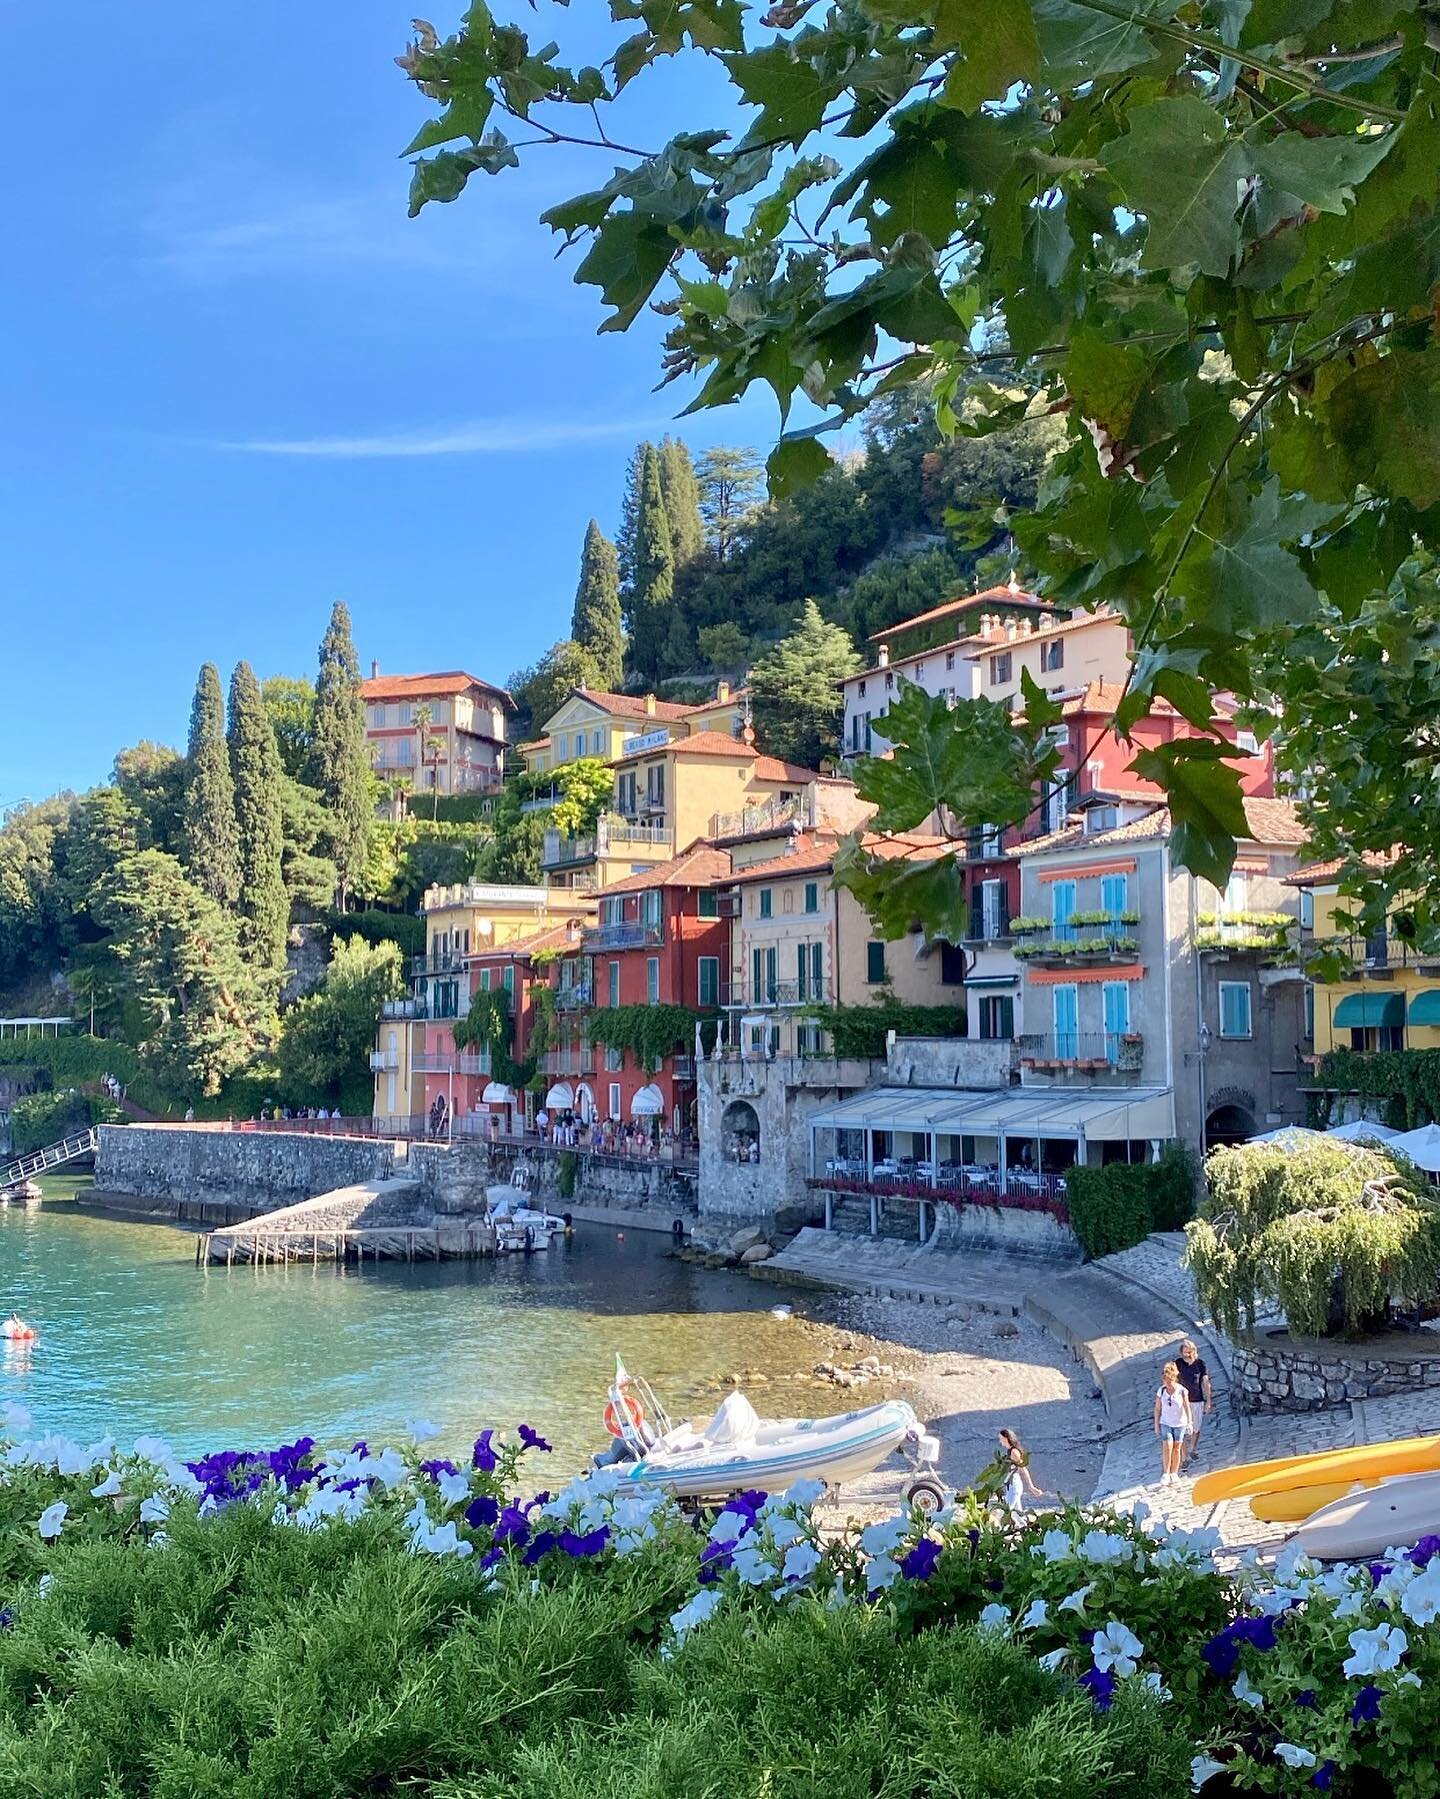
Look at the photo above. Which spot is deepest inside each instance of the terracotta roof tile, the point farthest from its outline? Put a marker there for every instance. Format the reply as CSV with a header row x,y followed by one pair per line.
x,y
1314,873
406,687
1105,696
701,865
815,851
630,705
555,936
1008,596
737,696
703,743
1269,821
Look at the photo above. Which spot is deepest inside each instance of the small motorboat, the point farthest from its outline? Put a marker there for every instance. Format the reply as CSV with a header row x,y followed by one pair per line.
x,y
1367,1523
519,1226
16,1330
737,1449
23,1193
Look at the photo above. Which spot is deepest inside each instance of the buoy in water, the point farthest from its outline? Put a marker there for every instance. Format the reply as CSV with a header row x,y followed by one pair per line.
x,y
619,1236
16,1330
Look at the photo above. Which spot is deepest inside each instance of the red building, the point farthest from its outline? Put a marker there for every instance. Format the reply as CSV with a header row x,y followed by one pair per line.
x,y
660,941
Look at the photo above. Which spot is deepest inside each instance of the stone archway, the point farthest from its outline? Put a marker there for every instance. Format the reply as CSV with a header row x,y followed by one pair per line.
x,y
1229,1123
740,1132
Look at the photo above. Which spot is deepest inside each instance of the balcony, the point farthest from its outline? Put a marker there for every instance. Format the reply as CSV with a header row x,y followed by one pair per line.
x,y
1085,940
404,1008
769,815
613,833
447,961
574,996
633,934
541,802
992,926
1082,1052
776,994
569,1061
1244,933
383,1060
463,1062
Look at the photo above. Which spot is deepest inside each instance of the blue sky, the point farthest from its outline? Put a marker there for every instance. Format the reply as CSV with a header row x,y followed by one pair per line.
x,y
240,383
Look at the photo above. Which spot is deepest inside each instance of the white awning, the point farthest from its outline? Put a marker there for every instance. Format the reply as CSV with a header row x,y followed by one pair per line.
x,y
560,1098
496,1094
649,1102
1113,1116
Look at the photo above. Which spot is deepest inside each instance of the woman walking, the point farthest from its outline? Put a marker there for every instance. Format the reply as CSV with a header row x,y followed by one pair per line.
x,y
1172,1423
1014,1460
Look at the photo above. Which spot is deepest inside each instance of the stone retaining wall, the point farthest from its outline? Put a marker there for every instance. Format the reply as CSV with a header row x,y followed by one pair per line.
x,y
1275,1375
1007,1229
168,1164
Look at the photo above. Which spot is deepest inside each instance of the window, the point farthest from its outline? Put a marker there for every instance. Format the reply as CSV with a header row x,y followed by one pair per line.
x,y
1000,667
612,911
507,978
990,840
709,906
767,902
787,900
625,794
997,1018
484,980
652,980
1234,1009
655,785
1052,655
1100,818
867,733
874,962
614,1059
817,971
1116,998
919,674
709,970
1062,909
949,660
762,971
405,714
1235,899
615,1100
862,690
812,896
1115,895
889,677
1309,1013
651,908
1247,741
994,910
1065,1010
802,971
952,965
1307,909
856,726
614,998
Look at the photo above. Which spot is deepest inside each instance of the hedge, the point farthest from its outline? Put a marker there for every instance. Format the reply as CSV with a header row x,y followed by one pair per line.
x,y
405,928
1120,1204
1408,1080
860,1031
47,1117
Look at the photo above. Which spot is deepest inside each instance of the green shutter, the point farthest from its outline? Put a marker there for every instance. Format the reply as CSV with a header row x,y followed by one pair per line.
x,y
874,961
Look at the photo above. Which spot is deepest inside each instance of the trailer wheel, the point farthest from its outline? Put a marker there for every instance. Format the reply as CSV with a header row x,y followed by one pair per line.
x,y
926,1493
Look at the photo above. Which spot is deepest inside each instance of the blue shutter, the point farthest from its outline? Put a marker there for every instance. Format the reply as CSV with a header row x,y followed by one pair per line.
x,y
1115,895
1117,1017
1067,1020
1062,903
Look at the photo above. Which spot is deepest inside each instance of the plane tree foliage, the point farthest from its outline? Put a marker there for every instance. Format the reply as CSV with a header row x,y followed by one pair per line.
x,y
1205,232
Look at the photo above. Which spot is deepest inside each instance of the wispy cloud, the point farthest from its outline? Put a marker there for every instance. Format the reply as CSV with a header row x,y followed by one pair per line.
x,y
479,437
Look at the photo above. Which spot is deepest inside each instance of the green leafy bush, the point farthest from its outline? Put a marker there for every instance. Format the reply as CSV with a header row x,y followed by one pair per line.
x,y
47,1117
1117,1206
860,1031
1408,1080
405,928
566,1171
649,1033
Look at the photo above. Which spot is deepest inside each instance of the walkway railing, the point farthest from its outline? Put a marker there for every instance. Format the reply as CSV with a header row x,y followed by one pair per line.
x,y
468,1127
1027,1193
53,1155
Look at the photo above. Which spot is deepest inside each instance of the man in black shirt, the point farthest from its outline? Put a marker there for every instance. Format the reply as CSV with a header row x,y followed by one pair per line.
x,y
1195,1378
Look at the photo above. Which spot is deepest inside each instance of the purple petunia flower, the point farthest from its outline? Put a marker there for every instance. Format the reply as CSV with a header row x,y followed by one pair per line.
x,y
1366,1708
1378,1571
482,1511
540,1544
1100,1684
7,1618
919,1564
1307,1699
490,1557
1425,1547
531,1439
537,1503
590,1544
360,1448
484,1457
513,1526
1324,1777
441,1465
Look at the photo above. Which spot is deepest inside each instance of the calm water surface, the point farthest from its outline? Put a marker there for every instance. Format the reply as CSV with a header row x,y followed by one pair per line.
x,y
134,1338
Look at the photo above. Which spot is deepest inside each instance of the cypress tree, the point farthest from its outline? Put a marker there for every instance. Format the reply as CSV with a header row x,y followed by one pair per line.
x,y
341,760
209,833
653,589
625,537
596,624
681,489
264,905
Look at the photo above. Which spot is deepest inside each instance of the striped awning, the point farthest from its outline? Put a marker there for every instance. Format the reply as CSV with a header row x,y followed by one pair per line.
x,y
1369,1011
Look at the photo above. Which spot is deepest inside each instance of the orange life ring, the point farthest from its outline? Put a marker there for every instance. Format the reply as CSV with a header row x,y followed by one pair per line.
x,y
633,1410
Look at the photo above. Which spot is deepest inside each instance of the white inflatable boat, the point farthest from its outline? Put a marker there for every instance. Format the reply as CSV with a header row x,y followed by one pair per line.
x,y
1366,1523
736,1448
519,1226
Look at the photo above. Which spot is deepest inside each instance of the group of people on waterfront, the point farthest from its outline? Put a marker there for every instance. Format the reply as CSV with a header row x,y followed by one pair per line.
x,y
1183,1401
607,1136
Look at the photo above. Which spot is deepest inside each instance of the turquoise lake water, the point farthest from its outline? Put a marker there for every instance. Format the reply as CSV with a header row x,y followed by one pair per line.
x,y
135,1338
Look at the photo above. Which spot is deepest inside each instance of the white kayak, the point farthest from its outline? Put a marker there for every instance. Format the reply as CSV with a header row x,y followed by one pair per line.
x,y
1400,1510
737,1448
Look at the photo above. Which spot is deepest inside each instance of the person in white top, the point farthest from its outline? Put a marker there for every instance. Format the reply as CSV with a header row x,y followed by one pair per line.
x,y
1172,1422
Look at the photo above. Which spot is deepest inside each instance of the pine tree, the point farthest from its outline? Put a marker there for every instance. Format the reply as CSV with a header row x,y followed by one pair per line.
x,y
795,690
625,537
209,833
731,487
682,501
653,589
341,760
596,625
263,906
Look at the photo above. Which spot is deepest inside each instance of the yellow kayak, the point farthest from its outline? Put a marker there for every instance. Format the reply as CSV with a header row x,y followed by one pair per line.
x,y
1366,1461
1297,1503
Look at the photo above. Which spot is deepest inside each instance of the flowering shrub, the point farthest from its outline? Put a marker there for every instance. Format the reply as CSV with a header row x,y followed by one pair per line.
x,y
313,1621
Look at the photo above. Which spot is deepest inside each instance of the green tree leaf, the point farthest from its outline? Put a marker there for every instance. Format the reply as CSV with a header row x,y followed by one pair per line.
x,y
1207,806
999,46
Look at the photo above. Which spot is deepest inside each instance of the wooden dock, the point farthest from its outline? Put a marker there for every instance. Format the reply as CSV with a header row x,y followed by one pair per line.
x,y
384,1243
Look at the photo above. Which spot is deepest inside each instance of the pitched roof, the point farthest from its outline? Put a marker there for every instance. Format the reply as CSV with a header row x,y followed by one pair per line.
x,y
630,705
701,865
1267,821
1316,873
535,743
1104,696
703,743
736,696
771,768
814,851
409,687
1007,596
555,936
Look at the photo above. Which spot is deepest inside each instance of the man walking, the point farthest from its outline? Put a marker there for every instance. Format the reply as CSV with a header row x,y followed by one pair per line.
x,y
1195,1378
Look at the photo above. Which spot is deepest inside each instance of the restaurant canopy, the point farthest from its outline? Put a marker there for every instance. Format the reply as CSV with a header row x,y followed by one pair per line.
x,y
1129,1114
1425,1006
1370,1011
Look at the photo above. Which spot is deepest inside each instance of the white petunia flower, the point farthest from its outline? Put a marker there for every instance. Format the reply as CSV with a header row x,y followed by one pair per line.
x,y
804,1493
1053,1660
388,1468
1075,1602
1246,1692
994,1617
696,1610
1116,1649
881,1571
1420,1601
1153,1684
1104,1547
108,1487
801,1561
1203,1768
15,1418
46,1582
1054,1546
752,1564
1294,1756
443,1539
886,1537
1375,1651
785,1531
1037,1613
52,1519
454,1489
155,1509
153,1449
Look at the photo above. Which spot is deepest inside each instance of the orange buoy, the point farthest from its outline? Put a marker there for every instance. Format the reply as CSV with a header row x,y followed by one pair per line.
x,y
634,1411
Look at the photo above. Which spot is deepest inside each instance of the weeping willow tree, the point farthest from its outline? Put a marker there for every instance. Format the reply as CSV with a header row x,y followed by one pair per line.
x,y
1327,1231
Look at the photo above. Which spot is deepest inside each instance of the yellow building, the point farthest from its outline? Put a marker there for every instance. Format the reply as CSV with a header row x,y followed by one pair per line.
x,y
1390,999
594,723
797,941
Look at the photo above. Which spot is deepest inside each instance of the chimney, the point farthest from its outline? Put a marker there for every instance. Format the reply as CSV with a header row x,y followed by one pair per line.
x,y
1013,584
883,659
722,691
374,671
1009,630
649,705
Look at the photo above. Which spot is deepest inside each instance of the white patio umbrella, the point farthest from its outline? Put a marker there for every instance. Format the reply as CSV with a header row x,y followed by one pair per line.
x,y
1363,1130
1422,1147
1287,1133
